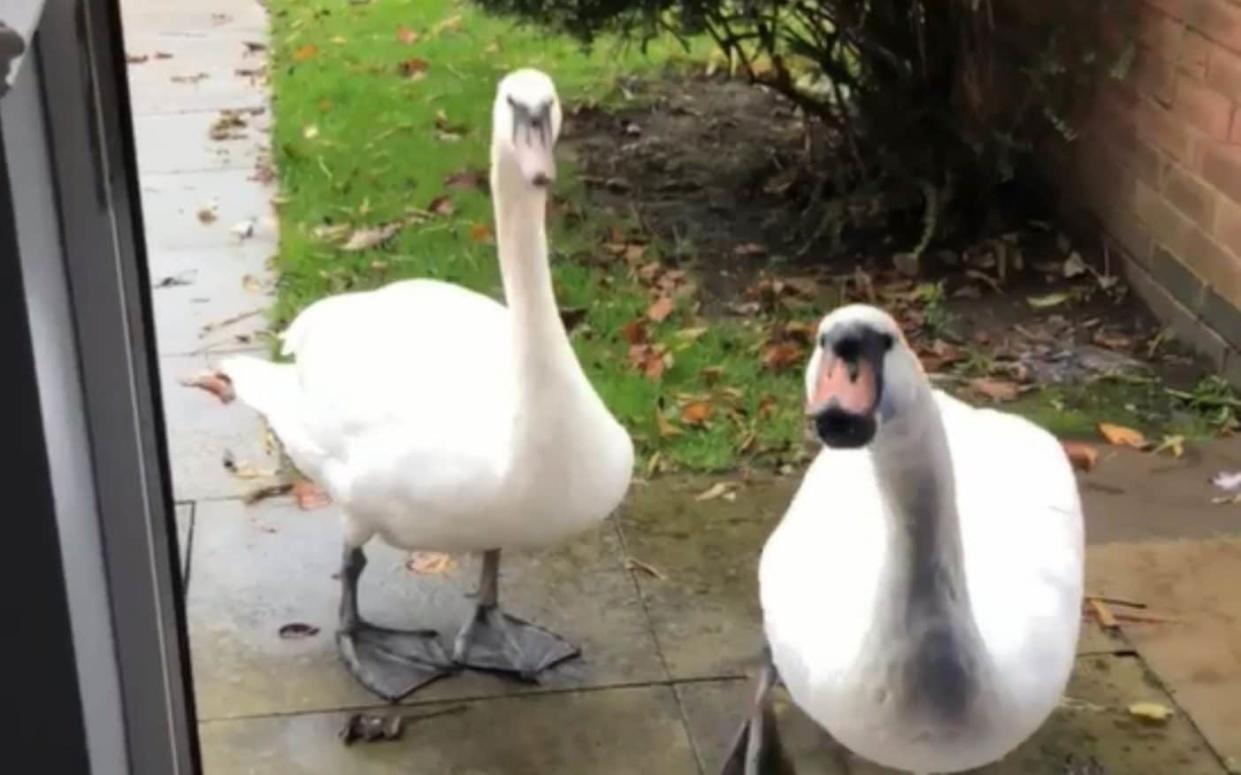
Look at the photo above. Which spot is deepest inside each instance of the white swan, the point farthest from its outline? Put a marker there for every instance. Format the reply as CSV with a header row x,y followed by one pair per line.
x,y
922,595
440,419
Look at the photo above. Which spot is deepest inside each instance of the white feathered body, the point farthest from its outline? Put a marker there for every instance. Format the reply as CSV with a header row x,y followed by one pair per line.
x,y
1021,534
405,404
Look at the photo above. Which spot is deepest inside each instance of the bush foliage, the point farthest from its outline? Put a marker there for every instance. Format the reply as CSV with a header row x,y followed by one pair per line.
x,y
945,96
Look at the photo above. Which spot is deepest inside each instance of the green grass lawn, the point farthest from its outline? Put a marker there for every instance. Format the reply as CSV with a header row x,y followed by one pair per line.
x,y
378,105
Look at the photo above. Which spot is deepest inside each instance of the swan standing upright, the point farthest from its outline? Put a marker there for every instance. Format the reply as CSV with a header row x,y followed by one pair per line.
x,y
439,419
922,594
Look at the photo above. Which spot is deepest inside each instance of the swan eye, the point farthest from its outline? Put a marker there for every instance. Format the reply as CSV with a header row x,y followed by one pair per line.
x,y
887,342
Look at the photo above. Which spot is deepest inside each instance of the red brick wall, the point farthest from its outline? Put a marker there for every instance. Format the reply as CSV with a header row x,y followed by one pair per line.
x,y
1159,165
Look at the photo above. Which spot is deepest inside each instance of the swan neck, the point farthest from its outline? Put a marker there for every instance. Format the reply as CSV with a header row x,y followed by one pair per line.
x,y
912,460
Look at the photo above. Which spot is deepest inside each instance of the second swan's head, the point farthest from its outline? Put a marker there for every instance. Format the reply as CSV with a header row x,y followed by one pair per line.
x,y
862,374
525,126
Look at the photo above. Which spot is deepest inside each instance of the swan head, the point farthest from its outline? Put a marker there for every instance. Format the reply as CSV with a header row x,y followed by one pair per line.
x,y
862,375
526,122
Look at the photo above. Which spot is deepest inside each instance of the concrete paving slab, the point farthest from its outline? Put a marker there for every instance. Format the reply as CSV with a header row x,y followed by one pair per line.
x,y
171,205
258,568
613,732
195,290
193,72
239,151
1136,496
705,611
1092,723
1199,656
218,18
201,430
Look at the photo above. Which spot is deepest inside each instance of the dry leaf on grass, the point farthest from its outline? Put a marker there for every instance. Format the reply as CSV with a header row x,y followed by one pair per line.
x,y
480,233
442,205
1120,436
371,236
446,25
660,310
666,428
431,563
309,496
778,357
697,413
998,390
1173,444
216,383
302,53
1082,456
413,68
1150,712
406,35
467,178
1050,300
750,249
634,332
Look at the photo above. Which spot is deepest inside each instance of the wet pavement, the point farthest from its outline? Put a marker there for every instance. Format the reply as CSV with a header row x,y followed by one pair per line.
x,y
661,598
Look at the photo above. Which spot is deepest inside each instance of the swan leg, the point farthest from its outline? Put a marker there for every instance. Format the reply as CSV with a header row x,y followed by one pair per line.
x,y
390,663
756,748
496,641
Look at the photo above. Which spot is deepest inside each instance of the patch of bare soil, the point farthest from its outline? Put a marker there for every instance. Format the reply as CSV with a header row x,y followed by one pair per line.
x,y
731,178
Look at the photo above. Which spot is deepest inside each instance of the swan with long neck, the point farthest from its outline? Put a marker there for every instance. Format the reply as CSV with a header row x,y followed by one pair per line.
x,y
921,597
439,419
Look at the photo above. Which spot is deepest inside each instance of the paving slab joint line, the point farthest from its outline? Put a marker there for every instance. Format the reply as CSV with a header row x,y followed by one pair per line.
x,y
659,649
1220,757
476,699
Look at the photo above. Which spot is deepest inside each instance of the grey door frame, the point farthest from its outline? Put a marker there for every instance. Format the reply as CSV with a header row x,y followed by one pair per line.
x,y
102,655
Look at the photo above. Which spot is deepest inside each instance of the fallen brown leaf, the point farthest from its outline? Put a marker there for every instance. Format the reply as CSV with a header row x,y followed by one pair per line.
x,y
1082,456
1102,614
778,357
697,413
302,53
207,214
1150,712
406,35
1120,436
431,563
442,205
650,359
634,564
368,237
996,389
666,428
660,310
634,332
267,491
717,490
298,630
750,249
136,59
216,383
1174,444
413,68
467,178
309,496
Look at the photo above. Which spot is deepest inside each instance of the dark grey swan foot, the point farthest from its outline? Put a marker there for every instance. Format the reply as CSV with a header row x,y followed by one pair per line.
x,y
390,663
1074,766
756,748
498,642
